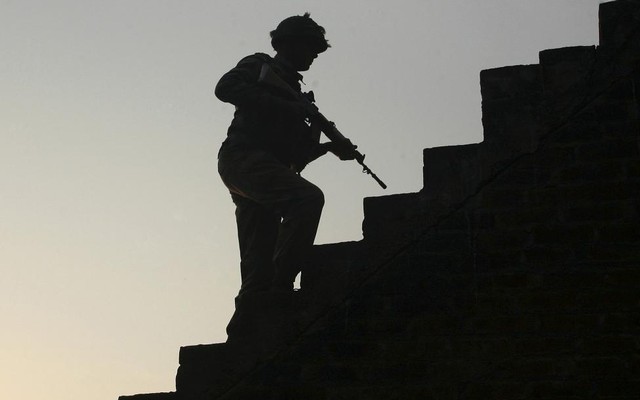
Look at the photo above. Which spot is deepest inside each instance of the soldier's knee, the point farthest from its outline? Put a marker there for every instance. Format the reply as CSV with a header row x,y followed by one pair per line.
x,y
311,200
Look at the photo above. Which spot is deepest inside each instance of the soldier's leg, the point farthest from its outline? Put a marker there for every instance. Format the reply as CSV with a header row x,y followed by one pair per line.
x,y
259,177
257,234
301,212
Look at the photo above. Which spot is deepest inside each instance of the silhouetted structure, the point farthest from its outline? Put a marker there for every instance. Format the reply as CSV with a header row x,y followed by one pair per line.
x,y
513,274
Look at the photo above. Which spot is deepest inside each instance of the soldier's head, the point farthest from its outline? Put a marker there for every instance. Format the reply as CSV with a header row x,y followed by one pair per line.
x,y
299,39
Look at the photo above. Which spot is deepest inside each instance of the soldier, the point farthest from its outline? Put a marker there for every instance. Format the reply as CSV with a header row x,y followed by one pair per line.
x,y
270,140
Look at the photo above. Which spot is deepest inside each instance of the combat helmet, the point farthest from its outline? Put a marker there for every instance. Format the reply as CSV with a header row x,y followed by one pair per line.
x,y
300,27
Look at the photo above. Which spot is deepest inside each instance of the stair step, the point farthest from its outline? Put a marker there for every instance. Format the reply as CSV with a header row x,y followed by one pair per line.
x,y
328,273
206,368
451,173
212,368
151,396
197,354
512,82
617,20
386,214
566,71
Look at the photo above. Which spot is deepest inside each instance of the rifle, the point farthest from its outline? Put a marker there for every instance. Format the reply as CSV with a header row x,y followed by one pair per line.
x,y
269,77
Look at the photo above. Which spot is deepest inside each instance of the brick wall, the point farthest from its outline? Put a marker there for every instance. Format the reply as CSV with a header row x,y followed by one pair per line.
x,y
513,274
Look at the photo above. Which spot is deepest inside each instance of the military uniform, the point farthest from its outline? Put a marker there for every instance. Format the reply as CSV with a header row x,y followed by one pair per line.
x,y
277,210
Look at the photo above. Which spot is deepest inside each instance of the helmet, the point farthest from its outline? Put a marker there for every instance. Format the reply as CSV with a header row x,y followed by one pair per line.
x,y
300,27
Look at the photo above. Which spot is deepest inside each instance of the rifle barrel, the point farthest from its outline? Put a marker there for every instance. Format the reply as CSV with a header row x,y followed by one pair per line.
x,y
367,170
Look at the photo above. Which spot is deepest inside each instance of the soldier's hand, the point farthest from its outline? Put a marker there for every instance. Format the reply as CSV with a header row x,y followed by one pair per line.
x,y
344,150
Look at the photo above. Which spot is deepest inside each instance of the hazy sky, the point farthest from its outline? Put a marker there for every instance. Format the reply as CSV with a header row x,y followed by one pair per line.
x,y
117,238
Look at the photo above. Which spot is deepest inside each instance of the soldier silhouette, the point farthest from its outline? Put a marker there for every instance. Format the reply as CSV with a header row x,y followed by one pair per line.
x,y
270,140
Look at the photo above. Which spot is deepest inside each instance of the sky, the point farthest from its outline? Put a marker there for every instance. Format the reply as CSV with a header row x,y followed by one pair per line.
x,y
117,238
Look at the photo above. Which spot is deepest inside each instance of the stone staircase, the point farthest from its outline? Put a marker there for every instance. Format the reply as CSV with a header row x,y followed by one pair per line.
x,y
513,274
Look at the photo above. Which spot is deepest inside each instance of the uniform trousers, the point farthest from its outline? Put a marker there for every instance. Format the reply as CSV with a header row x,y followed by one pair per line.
x,y
277,216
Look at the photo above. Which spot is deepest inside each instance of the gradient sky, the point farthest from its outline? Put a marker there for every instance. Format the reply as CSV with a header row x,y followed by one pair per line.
x,y
117,238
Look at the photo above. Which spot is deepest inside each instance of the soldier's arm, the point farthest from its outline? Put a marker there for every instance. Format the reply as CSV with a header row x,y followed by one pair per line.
x,y
240,87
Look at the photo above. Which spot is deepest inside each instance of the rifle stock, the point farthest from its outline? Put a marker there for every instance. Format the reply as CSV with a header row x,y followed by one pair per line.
x,y
270,78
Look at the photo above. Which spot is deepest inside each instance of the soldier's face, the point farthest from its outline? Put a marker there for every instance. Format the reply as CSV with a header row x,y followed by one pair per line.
x,y
301,55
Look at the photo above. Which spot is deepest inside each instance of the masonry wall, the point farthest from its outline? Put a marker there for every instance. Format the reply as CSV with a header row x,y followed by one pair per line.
x,y
513,274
